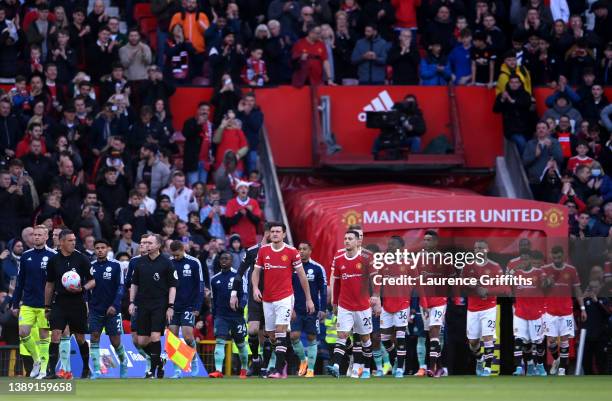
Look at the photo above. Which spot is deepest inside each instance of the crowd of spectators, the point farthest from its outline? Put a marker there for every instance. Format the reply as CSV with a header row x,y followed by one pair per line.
x,y
260,43
88,141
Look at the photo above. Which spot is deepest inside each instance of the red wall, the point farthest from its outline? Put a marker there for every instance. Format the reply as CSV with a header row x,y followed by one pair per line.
x,y
185,102
481,129
287,112
288,118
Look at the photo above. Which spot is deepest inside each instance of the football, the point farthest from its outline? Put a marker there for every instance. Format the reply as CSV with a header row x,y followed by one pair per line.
x,y
71,280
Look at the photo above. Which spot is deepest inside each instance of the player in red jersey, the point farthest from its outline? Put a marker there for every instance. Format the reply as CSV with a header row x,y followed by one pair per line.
x,y
562,281
528,311
482,307
356,348
524,250
278,261
395,308
434,299
352,303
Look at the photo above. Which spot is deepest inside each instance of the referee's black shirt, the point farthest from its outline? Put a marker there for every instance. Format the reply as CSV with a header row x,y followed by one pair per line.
x,y
248,264
154,277
60,264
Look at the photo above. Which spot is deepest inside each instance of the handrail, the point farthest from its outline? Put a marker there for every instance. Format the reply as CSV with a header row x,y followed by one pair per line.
x,y
514,161
455,121
317,139
273,187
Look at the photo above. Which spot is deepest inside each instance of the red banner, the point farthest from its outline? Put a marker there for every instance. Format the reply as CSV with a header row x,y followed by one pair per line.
x,y
322,214
458,211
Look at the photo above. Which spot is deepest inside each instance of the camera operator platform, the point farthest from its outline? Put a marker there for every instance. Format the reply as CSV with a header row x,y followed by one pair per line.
x,y
400,130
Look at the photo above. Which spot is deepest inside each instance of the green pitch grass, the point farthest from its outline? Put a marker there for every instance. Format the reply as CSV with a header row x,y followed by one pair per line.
x,y
455,388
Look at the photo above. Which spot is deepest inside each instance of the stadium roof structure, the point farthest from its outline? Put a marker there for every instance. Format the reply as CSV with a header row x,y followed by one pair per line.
x,y
322,214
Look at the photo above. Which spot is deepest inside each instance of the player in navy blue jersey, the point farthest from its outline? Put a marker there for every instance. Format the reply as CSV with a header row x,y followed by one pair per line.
x,y
302,321
133,316
105,306
189,298
228,319
29,299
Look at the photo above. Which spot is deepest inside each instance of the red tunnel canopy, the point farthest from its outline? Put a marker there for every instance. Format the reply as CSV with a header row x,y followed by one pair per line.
x,y
322,214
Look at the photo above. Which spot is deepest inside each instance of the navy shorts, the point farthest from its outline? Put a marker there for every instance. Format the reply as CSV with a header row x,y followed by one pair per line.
x,y
306,323
375,324
230,328
134,322
112,325
416,328
183,318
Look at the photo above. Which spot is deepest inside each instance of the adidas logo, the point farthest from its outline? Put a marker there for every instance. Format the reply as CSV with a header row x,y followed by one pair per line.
x,y
267,257
382,102
30,259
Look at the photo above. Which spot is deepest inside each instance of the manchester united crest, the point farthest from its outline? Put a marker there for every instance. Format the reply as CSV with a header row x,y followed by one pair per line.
x,y
553,217
358,266
284,258
351,217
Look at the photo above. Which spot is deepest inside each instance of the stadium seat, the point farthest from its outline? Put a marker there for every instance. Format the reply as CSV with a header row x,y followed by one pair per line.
x,y
148,25
142,10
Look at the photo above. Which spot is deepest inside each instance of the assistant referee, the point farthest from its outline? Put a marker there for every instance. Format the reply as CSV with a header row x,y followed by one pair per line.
x,y
68,307
154,280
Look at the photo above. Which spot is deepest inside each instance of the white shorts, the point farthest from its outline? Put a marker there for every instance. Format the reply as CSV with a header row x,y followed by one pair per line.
x,y
358,321
278,312
393,319
528,330
434,318
559,326
481,323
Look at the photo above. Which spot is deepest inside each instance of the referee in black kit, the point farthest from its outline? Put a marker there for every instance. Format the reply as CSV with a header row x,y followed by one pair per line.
x,y
68,307
154,280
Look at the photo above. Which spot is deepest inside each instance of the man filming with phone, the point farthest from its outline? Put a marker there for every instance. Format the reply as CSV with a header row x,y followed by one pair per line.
x,y
229,136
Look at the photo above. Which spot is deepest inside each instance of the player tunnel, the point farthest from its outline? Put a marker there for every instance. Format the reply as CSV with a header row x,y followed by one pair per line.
x,y
322,213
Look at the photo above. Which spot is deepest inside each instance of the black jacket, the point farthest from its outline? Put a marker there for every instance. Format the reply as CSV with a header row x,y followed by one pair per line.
x,y
191,132
72,196
405,66
153,90
40,168
139,223
515,116
112,197
100,61
590,110
10,132
13,206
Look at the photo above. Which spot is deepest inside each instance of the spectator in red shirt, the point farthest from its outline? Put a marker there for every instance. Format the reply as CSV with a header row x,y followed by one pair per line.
x,y
35,131
309,56
406,13
229,136
581,158
243,215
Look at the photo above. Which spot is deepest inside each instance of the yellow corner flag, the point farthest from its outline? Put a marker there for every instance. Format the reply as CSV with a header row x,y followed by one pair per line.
x,y
178,352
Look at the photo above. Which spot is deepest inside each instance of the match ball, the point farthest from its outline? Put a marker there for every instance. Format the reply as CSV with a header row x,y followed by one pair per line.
x,y
71,280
